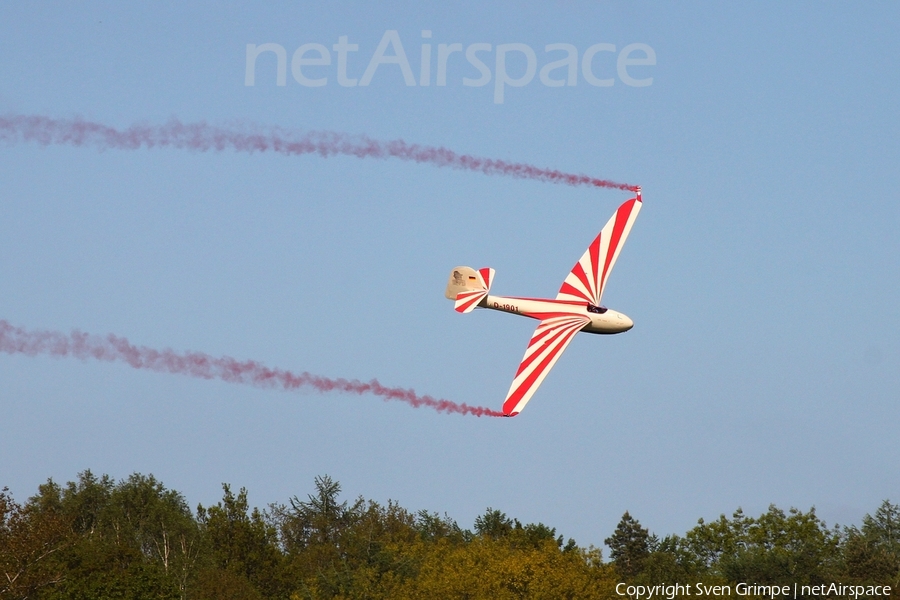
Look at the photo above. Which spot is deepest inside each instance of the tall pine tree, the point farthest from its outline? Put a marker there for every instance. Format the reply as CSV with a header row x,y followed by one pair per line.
x,y
629,546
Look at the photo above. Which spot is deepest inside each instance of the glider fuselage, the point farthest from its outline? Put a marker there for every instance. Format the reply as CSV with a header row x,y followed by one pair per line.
x,y
576,306
603,320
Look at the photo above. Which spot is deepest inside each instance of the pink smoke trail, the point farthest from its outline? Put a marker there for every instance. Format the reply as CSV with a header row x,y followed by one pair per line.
x,y
203,137
15,340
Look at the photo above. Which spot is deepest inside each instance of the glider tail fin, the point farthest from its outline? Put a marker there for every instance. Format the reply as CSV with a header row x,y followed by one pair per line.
x,y
468,287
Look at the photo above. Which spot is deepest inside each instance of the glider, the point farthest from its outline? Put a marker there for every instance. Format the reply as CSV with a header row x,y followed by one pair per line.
x,y
576,307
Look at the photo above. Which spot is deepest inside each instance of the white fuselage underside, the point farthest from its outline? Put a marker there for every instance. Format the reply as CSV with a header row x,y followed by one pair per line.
x,y
608,322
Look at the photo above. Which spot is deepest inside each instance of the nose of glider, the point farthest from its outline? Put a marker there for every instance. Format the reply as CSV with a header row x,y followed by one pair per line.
x,y
626,322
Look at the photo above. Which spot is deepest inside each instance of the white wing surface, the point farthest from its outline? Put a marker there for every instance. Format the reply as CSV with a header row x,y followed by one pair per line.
x,y
547,343
585,283
587,280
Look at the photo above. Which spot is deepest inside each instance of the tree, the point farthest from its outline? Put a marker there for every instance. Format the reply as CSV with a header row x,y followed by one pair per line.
x,y
492,568
160,523
493,524
320,519
884,527
109,552
629,546
242,542
30,540
872,555
433,527
776,548
671,560
335,547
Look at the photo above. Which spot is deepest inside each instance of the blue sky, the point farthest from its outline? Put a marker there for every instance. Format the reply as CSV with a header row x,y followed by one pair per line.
x,y
761,273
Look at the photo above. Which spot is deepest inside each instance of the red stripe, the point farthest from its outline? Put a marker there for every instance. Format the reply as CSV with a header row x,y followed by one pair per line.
x,y
539,335
549,300
543,316
547,330
555,329
477,296
486,276
466,295
526,362
621,220
567,288
578,271
526,385
594,250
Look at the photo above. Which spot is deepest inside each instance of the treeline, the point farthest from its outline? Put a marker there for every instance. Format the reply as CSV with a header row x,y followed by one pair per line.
x,y
96,538
776,548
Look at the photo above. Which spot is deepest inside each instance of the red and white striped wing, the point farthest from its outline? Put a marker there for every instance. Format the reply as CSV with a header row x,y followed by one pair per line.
x,y
546,346
587,280
467,301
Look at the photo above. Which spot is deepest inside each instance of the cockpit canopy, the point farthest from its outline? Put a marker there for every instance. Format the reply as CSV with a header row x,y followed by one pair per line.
x,y
596,309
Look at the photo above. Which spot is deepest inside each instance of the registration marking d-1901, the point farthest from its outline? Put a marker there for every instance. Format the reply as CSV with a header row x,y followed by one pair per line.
x,y
506,307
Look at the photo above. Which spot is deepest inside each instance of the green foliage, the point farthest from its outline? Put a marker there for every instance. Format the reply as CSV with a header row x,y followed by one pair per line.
x,y
432,527
776,548
128,540
241,542
30,537
493,524
96,538
671,560
872,554
629,546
